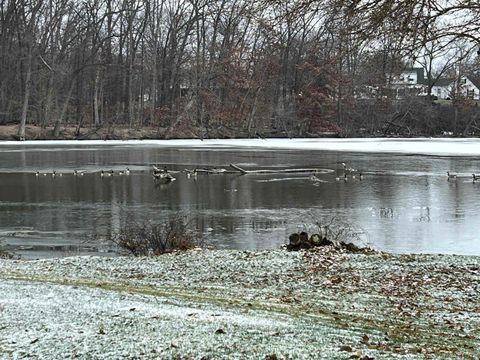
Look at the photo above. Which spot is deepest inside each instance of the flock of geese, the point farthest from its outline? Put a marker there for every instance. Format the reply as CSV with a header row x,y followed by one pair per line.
x,y
160,175
103,173
453,176
348,173
164,176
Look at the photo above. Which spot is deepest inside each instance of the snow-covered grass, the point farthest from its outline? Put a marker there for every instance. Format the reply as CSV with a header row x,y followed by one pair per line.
x,y
324,303
422,146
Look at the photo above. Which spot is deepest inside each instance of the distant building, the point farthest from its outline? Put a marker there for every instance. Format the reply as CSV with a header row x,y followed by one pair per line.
x,y
442,88
412,82
469,87
409,82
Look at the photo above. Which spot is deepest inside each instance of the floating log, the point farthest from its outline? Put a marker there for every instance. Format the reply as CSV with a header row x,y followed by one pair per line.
x,y
157,170
238,168
215,171
282,171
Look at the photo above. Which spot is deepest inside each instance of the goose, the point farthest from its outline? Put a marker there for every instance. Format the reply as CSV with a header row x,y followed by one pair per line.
x,y
102,173
191,173
77,173
37,174
163,177
314,178
124,172
360,176
475,177
347,170
451,176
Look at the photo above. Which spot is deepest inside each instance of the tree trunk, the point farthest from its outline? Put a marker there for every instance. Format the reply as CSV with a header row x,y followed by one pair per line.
x,y
96,111
58,123
26,97
253,113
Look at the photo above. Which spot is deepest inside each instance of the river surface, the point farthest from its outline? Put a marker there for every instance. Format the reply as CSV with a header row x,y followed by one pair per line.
x,y
404,203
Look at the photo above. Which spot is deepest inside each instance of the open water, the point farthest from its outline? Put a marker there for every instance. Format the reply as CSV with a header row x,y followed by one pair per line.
x,y
404,203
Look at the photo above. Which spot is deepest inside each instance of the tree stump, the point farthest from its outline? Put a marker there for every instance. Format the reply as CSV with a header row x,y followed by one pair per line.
x,y
294,239
304,240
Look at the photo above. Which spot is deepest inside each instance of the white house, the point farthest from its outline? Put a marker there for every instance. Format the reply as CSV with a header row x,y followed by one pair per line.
x,y
469,87
442,88
412,81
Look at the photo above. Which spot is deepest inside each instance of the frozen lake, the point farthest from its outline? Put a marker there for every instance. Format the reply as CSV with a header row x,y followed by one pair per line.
x,y
403,204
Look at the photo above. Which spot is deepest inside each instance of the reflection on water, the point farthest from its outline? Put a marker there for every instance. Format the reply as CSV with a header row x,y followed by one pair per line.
x,y
403,203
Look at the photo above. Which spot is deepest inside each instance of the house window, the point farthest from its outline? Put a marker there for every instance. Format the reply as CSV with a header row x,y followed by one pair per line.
x,y
471,94
463,81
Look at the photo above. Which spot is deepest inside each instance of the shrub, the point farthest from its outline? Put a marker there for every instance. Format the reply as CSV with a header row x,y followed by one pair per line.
x,y
147,238
329,231
337,230
4,254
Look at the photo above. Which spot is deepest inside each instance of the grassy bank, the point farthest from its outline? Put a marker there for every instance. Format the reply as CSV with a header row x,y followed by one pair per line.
x,y
323,303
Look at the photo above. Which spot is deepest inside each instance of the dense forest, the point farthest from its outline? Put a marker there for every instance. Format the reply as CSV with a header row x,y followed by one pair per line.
x,y
216,68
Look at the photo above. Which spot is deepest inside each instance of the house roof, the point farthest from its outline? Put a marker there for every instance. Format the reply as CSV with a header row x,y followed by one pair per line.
x,y
443,82
419,71
475,80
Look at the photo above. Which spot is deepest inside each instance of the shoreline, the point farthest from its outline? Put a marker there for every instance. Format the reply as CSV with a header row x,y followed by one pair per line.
x,y
120,132
242,304
449,147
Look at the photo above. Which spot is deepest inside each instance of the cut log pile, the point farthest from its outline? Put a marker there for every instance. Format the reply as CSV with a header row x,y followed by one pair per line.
x,y
299,241
302,241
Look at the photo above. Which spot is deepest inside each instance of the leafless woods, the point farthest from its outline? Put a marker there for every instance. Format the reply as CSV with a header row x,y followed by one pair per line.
x,y
231,67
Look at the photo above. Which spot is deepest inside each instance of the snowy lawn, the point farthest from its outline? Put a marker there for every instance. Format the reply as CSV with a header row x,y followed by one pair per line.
x,y
325,304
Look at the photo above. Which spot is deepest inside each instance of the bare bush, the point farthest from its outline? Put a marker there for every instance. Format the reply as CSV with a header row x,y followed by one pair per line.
x,y
5,254
329,231
150,239
337,230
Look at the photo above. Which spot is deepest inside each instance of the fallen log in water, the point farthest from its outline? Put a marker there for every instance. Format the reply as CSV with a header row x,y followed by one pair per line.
x,y
214,171
282,171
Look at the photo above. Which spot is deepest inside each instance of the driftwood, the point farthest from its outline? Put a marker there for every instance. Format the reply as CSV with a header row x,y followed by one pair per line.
x,y
235,169
214,171
281,171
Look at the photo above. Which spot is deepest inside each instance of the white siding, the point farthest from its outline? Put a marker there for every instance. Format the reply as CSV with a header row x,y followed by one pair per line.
x,y
468,88
442,92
